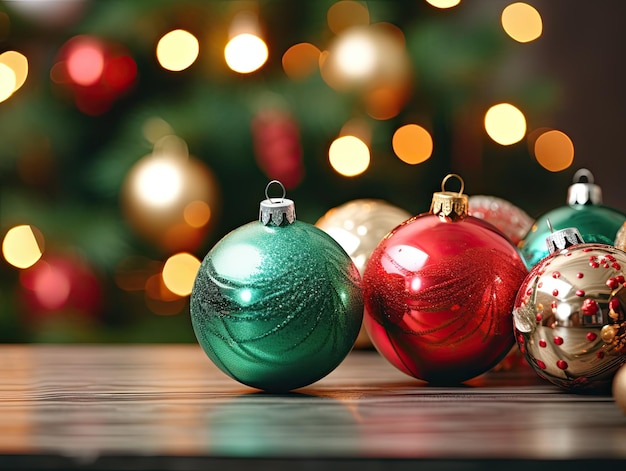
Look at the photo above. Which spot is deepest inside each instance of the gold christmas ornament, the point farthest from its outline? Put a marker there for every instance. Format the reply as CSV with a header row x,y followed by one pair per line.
x,y
169,198
358,226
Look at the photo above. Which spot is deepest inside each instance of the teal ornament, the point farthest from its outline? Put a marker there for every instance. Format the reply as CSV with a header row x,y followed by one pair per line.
x,y
596,223
277,303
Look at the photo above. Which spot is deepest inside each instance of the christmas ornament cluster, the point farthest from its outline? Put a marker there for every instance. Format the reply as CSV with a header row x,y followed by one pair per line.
x,y
444,296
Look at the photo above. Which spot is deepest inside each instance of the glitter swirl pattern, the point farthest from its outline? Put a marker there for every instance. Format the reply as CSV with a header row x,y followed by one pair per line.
x,y
438,297
277,308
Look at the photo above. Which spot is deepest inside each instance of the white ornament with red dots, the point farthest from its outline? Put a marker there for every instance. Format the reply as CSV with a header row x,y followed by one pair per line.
x,y
570,316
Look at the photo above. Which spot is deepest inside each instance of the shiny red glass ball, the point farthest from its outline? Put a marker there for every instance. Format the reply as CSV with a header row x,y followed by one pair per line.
x,y
439,296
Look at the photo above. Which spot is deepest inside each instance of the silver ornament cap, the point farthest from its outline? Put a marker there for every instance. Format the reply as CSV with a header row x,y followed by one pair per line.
x,y
563,238
583,190
276,211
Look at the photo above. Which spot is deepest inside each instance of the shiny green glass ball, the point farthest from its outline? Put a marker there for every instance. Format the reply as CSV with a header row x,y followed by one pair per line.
x,y
277,307
596,223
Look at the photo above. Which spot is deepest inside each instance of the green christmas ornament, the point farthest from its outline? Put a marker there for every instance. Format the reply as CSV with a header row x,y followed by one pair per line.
x,y
596,223
277,303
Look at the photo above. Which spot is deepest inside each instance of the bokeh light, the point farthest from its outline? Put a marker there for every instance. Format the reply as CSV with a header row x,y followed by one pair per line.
x,y
349,156
197,213
179,273
554,150
22,246
345,14
7,82
177,50
444,3
505,124
85,61
159,181
300,60
412,144
245,53
18,63
521,22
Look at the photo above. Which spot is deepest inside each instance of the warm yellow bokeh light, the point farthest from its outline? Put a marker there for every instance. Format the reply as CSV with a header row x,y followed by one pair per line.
x,y
7,82
522,22
349,156
444,3
18,63
505,124
554,151
197,214
345,14
412,144
177,50
179,273
22,246
245,53
301,60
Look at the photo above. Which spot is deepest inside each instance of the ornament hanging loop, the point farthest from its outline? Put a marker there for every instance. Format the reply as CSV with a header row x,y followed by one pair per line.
x,y
278,211
267,188
449,205
448,177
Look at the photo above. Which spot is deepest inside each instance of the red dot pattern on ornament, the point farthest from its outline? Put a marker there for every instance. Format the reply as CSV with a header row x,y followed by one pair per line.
x,y
580,292
539,317
558,340
540,285
614,305
589,307
540,364
580,275
591,336
553,305
556,274
614,282
543,343
561,364
555,292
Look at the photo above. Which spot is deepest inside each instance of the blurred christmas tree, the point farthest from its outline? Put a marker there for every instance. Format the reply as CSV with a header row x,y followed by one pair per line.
x,y
137,141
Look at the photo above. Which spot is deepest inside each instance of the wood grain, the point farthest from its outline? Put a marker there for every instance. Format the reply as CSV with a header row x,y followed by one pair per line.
x,y
168,407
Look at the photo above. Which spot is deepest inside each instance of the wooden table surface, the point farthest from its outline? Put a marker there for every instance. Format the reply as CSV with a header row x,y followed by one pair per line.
x,y
167,407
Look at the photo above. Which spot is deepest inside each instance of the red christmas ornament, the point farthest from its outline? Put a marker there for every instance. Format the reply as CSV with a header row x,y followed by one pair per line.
x,y
277,147
59,286
439,291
